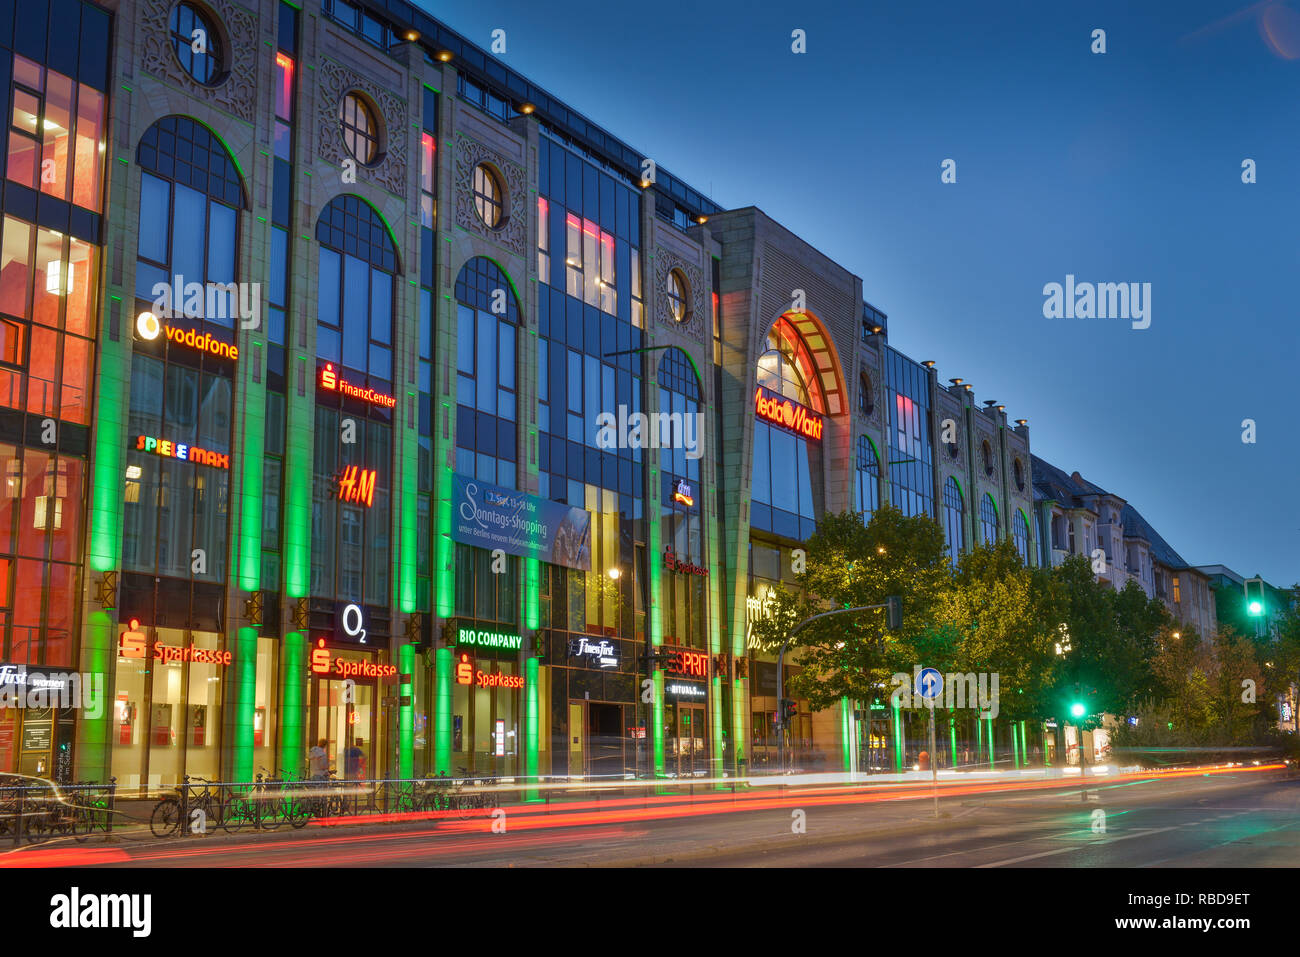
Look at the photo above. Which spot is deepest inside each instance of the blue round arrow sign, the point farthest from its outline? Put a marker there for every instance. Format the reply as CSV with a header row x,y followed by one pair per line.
x,y
929,683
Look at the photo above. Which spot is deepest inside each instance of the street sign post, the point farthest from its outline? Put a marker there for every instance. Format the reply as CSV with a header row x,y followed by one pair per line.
x,y
929,685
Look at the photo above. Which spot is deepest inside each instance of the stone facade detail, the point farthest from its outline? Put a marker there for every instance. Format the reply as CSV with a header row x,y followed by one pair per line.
x,y
513,233
333,82
237,92
697,318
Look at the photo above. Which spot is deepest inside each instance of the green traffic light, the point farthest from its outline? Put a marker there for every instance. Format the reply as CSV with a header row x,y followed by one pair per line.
x,y
1255,608
1077,710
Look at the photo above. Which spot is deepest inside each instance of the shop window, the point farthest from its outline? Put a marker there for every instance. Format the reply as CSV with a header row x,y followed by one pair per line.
x,y
357,265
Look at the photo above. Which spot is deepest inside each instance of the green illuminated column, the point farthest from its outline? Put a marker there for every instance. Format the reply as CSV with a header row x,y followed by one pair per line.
x,y
444,663
898,736
93,752
656,620
952,733
252,468
992,757
293,704
244,699
532,716
406,711
408,510
1015,750
1024,746
848,735
979,740
299,438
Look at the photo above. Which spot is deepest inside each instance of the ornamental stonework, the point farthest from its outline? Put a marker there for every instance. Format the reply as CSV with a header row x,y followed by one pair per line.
x,y
237,93
333,82
513,233
693,324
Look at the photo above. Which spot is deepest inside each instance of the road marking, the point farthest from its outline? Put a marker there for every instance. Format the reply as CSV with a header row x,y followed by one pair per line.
x,y
1075,847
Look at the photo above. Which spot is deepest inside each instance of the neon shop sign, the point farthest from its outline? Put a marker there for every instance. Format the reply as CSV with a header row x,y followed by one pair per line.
x,y
331,381
788,414
466,674
133,643
675,564
179,450
482,638
682,494
148,327
692,663
323,664
357,485
602,652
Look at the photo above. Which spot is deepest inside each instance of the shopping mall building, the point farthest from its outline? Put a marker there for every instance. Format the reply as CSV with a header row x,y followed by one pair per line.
x,y
357,390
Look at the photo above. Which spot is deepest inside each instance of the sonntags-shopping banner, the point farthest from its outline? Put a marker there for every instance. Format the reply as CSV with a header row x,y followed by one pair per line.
x,y
521,524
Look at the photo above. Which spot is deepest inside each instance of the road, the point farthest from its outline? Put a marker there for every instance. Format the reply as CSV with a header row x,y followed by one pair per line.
x,y
1241,818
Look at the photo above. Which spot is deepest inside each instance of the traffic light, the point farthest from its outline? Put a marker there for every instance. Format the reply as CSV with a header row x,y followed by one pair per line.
x,y
788,710
1255,597
894,612
1078,709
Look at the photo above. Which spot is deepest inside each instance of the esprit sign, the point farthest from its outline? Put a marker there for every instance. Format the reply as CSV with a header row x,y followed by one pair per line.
x,y
788,414
331,381
323,664
693,663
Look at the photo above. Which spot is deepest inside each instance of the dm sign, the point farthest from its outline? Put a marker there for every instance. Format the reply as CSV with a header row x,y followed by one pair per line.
x,y
521,524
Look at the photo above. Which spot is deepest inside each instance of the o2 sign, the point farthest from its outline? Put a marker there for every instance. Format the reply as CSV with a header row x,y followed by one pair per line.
x,y
351,623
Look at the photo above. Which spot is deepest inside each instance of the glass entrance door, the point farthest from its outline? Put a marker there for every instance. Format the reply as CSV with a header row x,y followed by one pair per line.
x,y
689,742
343,728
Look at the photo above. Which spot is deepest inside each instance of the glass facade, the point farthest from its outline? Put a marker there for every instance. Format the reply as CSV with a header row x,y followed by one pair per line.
x,y
910,443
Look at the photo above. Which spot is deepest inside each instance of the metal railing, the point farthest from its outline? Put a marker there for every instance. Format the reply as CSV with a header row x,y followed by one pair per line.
x,y
47,811
201,807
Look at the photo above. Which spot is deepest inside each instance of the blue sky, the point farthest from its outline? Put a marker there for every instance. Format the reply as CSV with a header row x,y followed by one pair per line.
x,y
1124,166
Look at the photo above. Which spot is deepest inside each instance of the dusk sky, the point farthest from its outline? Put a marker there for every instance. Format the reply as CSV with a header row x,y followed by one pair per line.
x,y
1116,167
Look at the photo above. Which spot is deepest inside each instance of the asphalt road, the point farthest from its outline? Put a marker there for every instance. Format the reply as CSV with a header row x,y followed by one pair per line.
x,y
1235,819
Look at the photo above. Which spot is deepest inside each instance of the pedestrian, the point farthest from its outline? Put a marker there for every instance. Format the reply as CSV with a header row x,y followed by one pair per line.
x,y
354,761
319,759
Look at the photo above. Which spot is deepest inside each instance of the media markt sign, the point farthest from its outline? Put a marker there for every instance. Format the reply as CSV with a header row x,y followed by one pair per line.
x,y
483,638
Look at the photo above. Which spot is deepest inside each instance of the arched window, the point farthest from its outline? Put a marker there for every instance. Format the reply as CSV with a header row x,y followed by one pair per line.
x,y
678,297
487,317
987,451
355,278
190,197
954,525
866,398
354,281
489,196
866,489
988,520
1020,533
683,597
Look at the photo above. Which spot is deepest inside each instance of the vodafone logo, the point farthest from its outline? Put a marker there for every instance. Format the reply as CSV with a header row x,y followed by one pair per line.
x,y
147,326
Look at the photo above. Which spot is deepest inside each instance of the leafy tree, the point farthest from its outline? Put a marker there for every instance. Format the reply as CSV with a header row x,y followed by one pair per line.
x,y
994,607
850,565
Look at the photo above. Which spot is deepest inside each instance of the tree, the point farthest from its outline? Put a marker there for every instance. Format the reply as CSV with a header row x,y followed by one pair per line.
x,y
850,565
994,607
